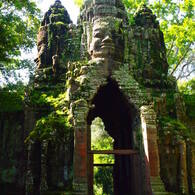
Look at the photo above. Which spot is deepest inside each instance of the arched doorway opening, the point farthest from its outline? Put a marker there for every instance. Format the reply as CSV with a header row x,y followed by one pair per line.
x,y
102,163
119,117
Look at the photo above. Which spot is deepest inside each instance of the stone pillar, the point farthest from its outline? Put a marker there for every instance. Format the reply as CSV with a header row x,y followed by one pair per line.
x,y
29,176
193,166
80,185
43,185
183,168
180,107
29,124
149,131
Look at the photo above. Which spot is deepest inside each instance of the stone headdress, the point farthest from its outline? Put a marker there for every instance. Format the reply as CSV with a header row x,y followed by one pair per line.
x,y
94,9
109,12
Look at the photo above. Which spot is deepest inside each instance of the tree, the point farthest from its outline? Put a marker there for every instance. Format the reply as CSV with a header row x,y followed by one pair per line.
x,y
176,18
176,21
187,89
78,2
19,22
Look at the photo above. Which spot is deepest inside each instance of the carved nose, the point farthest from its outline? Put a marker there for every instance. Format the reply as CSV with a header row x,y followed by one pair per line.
x,y
107,39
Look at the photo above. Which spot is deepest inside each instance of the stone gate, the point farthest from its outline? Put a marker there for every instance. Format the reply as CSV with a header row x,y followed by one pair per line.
x,y
116,71
109,68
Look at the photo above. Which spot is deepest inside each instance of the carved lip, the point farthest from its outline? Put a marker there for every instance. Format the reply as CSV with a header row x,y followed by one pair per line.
x,y
107,46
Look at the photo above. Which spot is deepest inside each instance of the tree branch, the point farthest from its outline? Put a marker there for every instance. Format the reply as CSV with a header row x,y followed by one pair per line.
x,y
185,76
181,71
171,47
181,59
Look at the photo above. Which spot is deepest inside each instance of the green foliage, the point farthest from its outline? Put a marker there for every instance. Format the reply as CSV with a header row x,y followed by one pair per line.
x,y
100,138
56,124
38,99
60,23
187,88
190,105
176,21
102,141
170,104
174,127
19,22
8,175
178,27
54,127
132,6
79,3
12,98
41,98
56,193
103,181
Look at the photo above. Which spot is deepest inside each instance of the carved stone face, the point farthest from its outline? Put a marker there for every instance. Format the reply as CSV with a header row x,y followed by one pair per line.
x,y
107,40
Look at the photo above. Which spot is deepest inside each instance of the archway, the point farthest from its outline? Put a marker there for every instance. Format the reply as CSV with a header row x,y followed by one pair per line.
x,y
119,116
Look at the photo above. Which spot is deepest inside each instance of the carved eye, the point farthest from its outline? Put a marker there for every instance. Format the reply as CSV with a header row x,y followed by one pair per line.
x,y
97,35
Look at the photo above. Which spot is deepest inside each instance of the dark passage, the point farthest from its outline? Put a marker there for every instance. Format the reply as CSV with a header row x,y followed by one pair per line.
x,y
118,114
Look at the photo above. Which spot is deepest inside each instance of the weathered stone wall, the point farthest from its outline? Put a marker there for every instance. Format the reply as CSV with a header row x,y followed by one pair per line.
x,y
191,154
175,143
147,53
50,142
12,153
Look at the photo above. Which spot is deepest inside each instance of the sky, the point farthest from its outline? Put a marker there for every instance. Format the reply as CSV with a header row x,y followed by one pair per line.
x,y
72,9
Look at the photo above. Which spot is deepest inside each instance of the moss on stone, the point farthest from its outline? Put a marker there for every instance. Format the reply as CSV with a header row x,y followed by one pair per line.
x,y
60,23
8,175
174,128
56,123
57,193
190,105
170,104
57,17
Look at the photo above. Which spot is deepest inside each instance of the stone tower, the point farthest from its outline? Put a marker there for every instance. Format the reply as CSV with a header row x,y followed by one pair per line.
x,y
50,158
53,39
109,68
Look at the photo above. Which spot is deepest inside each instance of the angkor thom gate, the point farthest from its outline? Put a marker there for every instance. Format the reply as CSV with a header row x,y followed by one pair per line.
x,y
111,70
109,91
117,71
